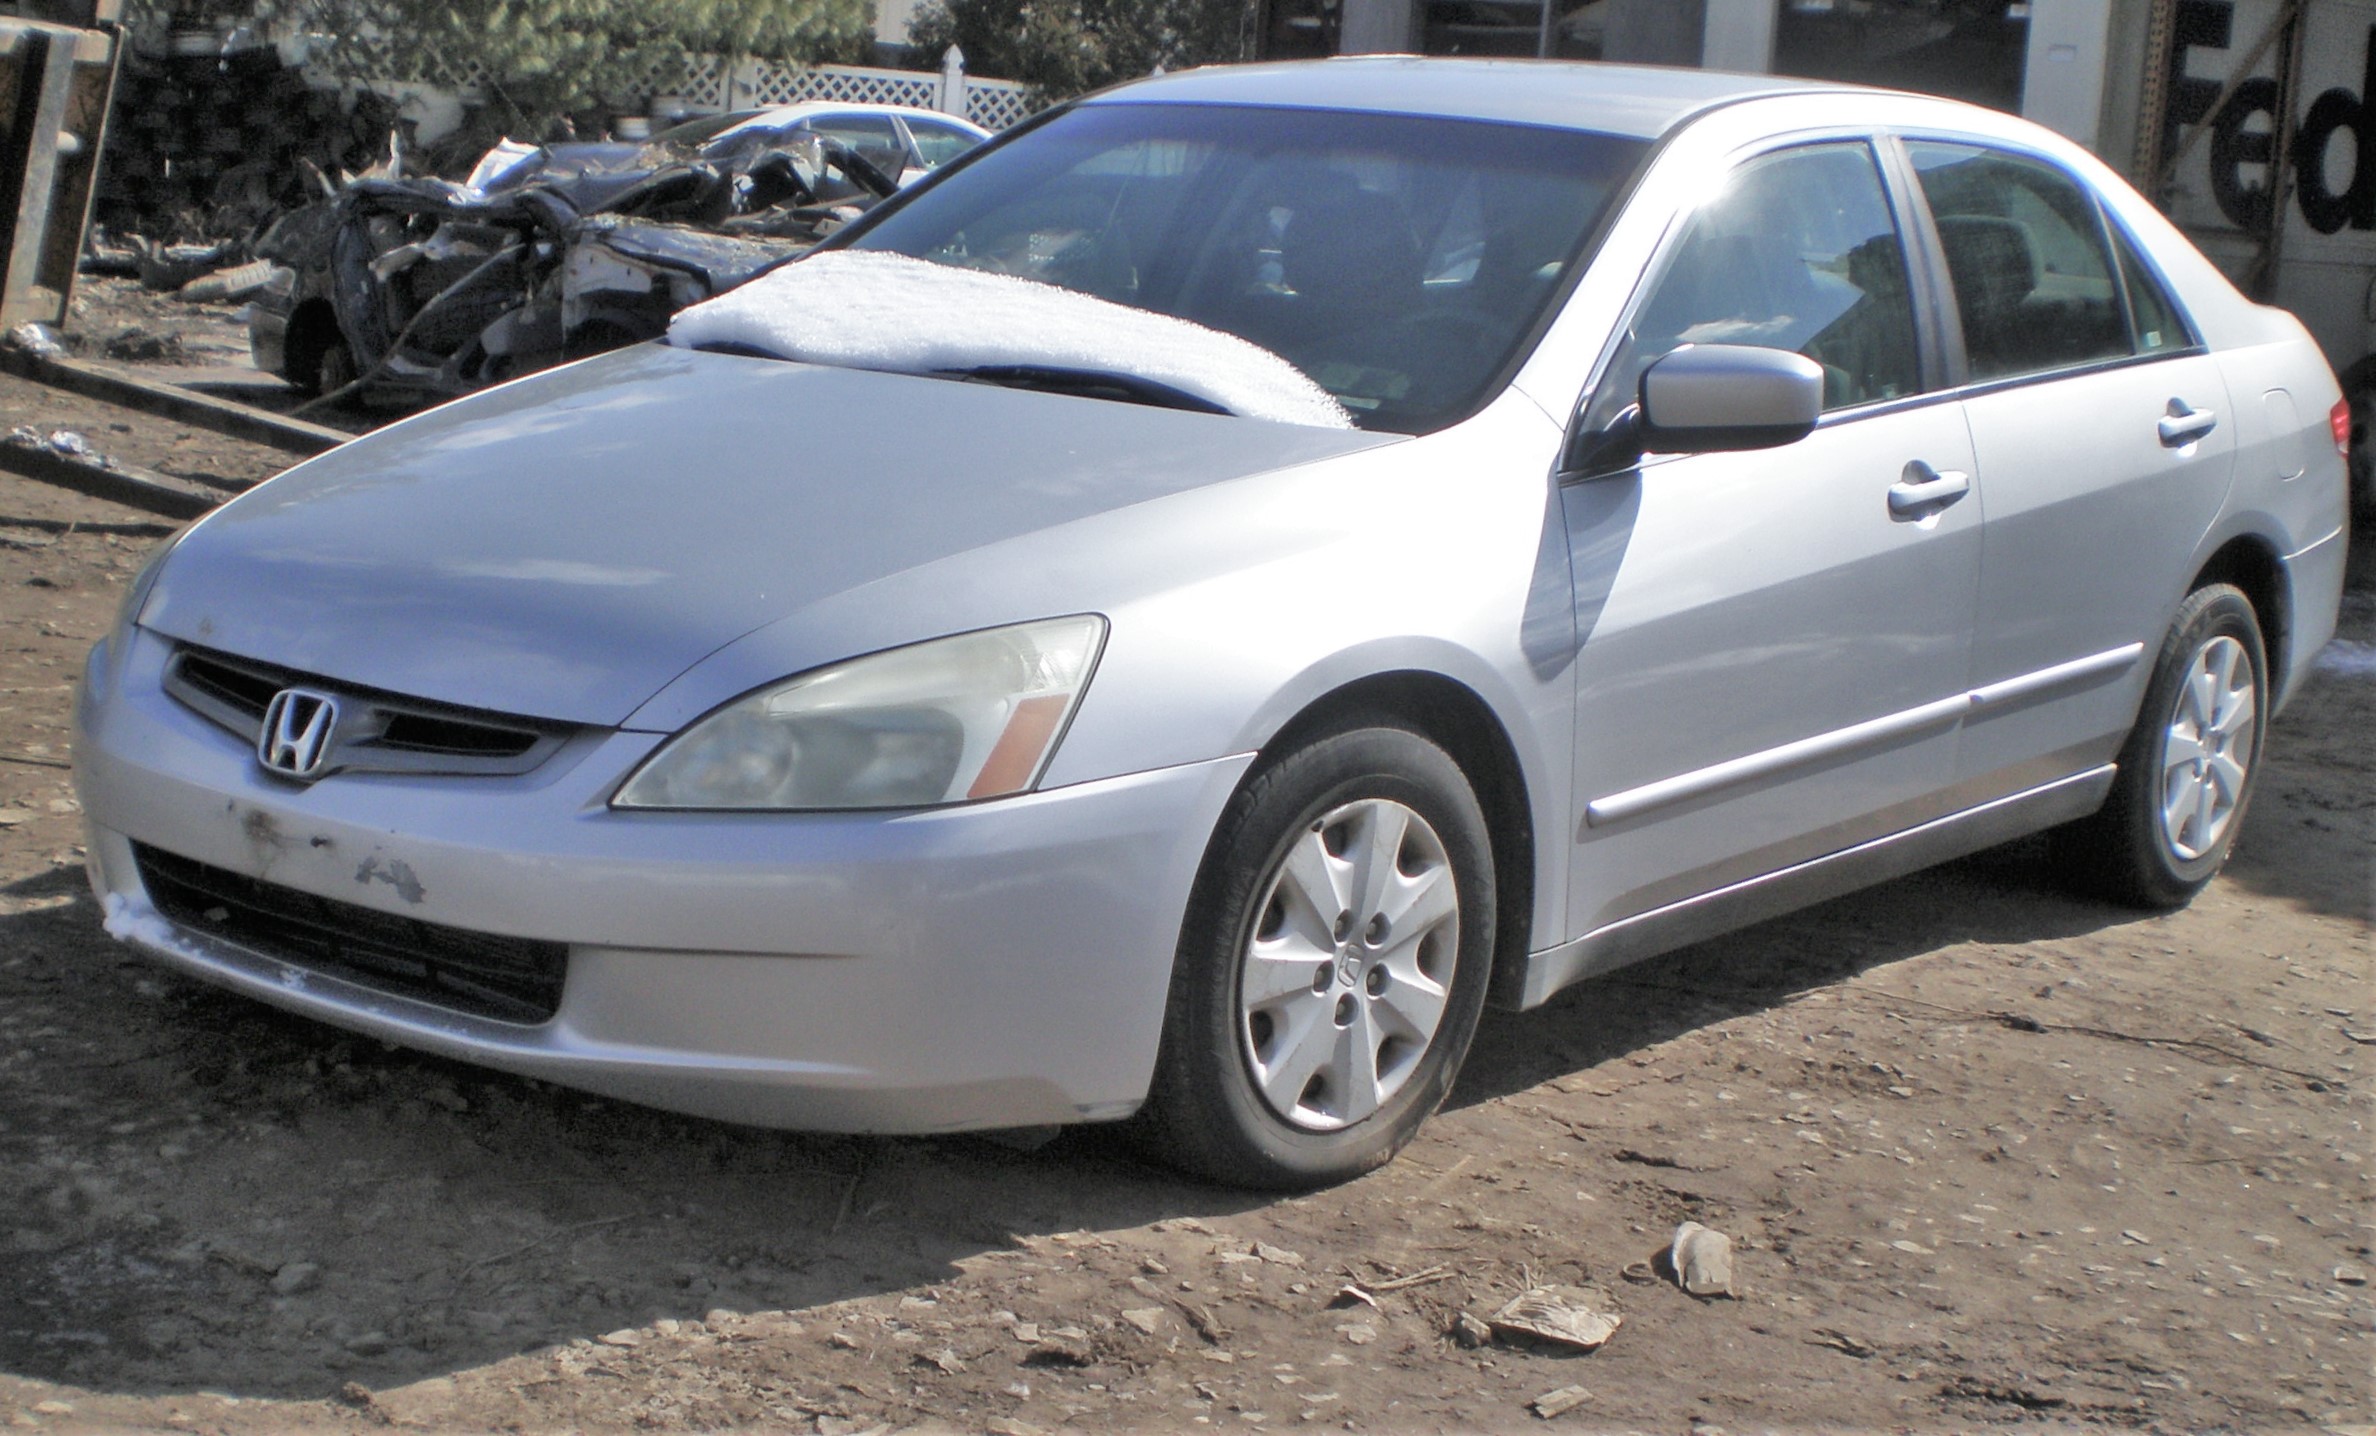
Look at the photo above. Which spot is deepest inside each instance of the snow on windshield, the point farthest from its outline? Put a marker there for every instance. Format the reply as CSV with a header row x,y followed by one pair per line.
x,y
888,311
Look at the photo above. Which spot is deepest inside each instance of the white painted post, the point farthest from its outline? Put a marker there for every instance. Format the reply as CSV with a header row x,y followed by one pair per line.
x,y
951,100
1739,35
2063,82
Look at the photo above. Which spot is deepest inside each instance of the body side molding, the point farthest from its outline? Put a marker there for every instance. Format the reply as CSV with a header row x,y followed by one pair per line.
x,y
1752,900
1873,733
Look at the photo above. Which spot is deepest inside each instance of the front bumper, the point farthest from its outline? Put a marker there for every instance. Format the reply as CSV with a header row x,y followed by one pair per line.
x,y
1002,964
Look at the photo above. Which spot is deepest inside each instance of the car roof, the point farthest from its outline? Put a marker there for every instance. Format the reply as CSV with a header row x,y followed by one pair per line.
x,y
1640,101
811,109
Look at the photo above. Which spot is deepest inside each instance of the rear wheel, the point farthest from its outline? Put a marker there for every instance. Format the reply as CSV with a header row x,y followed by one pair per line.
x,y
2187,771
1331,968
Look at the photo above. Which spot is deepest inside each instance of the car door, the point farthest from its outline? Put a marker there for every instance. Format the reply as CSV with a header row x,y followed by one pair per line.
x,y
2103,429
1773,644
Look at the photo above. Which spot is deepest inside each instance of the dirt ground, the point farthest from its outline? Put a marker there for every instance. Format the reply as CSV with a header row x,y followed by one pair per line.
x,y
1989,1156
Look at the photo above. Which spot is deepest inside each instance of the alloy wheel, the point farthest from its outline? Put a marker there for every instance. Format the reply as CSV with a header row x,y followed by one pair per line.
x,y
2206,756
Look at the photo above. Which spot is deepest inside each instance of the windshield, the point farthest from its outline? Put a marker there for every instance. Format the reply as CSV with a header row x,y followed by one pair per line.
x,y
1398,261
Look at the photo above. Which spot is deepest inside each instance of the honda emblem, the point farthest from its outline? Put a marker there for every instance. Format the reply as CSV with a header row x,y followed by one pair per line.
x,y
295,742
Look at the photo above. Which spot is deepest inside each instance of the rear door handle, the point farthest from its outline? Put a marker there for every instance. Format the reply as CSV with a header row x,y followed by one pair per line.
x,y
1922,490
2184,424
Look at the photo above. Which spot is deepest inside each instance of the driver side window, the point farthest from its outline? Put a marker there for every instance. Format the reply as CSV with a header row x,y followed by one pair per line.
x,y
1798,252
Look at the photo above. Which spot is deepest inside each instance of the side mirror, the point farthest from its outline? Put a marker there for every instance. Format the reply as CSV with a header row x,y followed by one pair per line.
x,y
1708,398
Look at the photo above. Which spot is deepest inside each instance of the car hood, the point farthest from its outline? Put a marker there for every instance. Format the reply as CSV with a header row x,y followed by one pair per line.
x,y
564,546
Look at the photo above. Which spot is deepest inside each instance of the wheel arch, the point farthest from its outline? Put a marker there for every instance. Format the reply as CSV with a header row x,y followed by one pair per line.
x,y
2251,563
312,329
1456,718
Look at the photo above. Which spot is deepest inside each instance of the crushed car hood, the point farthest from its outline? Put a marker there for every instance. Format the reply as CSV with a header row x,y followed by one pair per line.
x,y
564,546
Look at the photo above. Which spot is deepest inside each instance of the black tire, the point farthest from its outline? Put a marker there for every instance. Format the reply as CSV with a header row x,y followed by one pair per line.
x,y
2127,852
1207,1112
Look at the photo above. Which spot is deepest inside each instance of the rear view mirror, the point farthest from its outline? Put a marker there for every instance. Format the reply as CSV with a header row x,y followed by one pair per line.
x,y
1705,398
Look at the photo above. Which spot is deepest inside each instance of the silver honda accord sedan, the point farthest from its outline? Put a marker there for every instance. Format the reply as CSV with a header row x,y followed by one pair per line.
x,y
1169,617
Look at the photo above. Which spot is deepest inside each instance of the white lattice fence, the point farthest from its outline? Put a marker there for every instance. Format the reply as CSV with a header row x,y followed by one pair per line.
x,y
761,82
992,104
707,82
996,104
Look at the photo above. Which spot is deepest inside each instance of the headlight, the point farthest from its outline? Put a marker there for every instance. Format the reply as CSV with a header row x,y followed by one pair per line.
x,y
956,719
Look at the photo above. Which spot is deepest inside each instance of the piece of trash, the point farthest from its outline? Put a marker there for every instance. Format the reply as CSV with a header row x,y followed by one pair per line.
x,y
1470,1332
2351,1275
2131,1234
1841,1341
1557,1403
2363,1038
1148,1319
1913,1248
38,340
1702,1260
70,443
1350,1293
1279,1255
224,285
1565,1315
1641,1273
945,1361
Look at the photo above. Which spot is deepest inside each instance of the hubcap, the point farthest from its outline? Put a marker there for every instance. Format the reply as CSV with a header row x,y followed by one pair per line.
x,y
2209,748
1345,976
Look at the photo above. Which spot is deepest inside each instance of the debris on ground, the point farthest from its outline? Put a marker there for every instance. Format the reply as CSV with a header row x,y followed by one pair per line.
x,y
1561,1315
38,340
170,267
1702,1260
133,344
1558,1403
228,285
1470,1332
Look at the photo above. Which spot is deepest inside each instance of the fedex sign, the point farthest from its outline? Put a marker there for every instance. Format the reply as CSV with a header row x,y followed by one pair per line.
x,y
2334,184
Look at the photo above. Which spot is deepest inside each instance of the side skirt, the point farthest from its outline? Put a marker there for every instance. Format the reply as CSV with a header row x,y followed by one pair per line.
x,y
1679,924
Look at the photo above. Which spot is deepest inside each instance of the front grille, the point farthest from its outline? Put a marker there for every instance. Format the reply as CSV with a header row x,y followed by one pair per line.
x,y
376,732
509,979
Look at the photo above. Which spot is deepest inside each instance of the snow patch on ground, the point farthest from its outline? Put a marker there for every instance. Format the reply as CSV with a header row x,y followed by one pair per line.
x,y
2347,659
886,311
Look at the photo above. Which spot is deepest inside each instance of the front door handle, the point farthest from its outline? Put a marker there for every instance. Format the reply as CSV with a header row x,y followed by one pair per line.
x,y
1922,491
2183,424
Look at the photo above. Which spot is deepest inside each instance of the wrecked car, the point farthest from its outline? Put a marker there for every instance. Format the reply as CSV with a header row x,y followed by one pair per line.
x,y
411,291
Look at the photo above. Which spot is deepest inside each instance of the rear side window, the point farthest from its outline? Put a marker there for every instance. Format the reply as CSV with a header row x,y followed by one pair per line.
x,y
938,144
1798,252
2026,255
2155,326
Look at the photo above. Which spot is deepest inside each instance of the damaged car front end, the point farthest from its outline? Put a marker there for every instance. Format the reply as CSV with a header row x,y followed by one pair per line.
x,y
403,292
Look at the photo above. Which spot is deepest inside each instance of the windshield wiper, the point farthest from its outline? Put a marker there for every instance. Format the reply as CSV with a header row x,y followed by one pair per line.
x,y
1086,383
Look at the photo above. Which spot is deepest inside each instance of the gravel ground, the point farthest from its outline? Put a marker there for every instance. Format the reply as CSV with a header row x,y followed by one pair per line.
x,y
1988,1156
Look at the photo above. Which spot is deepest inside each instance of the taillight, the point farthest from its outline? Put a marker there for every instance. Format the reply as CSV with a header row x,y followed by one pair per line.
x,y
2339,419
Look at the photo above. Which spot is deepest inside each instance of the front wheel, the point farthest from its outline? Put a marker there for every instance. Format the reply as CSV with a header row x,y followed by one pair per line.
x,y
1331,968
2187,770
